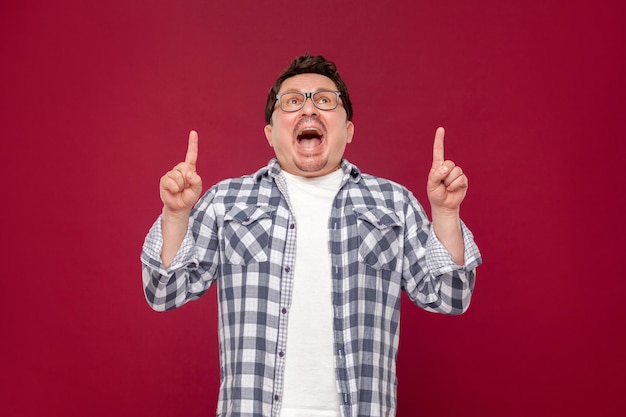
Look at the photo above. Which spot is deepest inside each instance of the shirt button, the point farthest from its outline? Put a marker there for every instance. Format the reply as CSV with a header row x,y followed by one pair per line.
x,y
284,310
276,397
291,226
281,354
287,269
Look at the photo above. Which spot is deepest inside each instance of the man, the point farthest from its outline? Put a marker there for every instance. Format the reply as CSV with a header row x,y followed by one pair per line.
x,y
310,256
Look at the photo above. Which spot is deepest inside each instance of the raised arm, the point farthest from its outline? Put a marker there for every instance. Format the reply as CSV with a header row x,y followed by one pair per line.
x,y
446,187
180,189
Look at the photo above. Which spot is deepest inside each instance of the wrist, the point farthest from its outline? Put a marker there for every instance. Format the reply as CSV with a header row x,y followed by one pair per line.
x,y
447,228
444,213
446,223
175,216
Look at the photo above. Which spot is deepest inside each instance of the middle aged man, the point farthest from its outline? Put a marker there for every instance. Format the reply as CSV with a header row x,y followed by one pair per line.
x,y
310,256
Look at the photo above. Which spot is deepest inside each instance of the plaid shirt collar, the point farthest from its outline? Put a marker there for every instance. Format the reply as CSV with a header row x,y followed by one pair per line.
x,y
351,171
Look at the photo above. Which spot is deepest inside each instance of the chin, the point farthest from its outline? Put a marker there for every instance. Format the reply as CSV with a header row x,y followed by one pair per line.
x,y
313,167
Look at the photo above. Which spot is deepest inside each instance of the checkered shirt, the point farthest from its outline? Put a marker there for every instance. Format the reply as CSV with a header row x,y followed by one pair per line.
x,y
242,235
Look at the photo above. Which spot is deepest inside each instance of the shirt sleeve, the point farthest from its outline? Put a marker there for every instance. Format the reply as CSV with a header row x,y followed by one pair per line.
x,y
151,253
438,259
431,278
193,269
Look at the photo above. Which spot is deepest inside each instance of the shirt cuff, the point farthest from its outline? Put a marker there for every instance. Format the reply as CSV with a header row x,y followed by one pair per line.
x,y
438,259
151,254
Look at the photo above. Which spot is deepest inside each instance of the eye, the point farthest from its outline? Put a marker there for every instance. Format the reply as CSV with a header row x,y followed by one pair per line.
x,y
322,97
291,100
325,99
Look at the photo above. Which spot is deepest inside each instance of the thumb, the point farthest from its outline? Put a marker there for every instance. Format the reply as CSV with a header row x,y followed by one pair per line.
x,y
437,175
193,179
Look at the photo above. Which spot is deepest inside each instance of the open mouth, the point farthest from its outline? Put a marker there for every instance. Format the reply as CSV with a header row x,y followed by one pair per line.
x,y
310,137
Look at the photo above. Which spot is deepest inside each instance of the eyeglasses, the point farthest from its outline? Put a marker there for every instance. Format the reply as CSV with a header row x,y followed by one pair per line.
x,y
323,100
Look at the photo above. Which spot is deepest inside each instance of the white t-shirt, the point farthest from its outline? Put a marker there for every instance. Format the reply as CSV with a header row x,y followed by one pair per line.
x,y
310,388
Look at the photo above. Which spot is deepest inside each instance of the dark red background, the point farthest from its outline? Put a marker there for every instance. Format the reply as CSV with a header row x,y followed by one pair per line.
x,y
97,99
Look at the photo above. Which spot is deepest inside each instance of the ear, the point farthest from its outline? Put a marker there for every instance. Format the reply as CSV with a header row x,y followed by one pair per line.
x,y
349,131
268,134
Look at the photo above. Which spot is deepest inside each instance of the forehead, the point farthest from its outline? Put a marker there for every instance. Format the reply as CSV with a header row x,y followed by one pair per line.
x,y
307,82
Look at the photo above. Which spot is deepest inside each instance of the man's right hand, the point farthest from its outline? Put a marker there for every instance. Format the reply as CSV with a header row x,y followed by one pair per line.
x,y
180,190
181,187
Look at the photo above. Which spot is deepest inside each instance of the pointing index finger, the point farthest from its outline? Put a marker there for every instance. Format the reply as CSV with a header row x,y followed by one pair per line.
x,y
192,150
438,148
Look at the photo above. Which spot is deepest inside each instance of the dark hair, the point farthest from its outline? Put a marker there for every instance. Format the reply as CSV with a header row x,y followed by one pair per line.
x,y
307,64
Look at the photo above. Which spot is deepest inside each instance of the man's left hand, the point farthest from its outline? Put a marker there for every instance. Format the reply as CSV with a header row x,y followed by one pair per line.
x,y
447,184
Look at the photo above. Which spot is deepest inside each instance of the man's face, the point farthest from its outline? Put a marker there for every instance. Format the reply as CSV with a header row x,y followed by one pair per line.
x,y
309,142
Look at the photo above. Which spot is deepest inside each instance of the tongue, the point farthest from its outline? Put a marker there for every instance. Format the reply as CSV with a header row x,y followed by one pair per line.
x,y
309,143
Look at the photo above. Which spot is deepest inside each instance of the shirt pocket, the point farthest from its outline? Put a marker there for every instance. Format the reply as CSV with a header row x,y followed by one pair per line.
x,y
379,237
246,234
